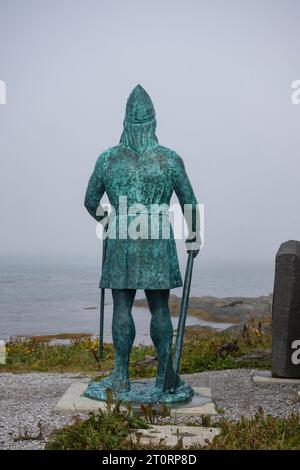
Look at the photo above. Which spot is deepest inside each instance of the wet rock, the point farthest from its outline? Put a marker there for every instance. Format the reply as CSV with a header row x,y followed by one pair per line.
x,y
227,310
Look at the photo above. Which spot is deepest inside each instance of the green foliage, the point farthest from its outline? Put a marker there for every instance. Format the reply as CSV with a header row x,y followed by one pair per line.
x,y
101,431
110,430
202,351
258,433
81,354
136,369
220,351
36,355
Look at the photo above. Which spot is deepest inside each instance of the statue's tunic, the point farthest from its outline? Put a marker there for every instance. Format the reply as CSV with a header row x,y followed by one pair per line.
x,y
145,173
147,179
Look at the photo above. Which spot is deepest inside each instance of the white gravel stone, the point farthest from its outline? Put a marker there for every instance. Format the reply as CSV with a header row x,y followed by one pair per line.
x,y
234,392
27,400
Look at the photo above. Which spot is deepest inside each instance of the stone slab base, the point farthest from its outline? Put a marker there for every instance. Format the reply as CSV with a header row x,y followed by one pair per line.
x,y
170,435
265,376
73,401
201,404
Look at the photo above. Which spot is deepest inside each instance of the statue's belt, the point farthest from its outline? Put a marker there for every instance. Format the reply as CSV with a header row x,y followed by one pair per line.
x,y
137,212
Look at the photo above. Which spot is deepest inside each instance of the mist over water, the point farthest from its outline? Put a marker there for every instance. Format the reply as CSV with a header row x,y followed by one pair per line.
x,y
39,297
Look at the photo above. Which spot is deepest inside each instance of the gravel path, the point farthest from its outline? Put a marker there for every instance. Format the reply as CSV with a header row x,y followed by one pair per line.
x,y
237,395
27,401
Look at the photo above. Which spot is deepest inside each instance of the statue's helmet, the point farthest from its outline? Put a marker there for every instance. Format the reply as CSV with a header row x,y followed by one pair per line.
x,y
139,107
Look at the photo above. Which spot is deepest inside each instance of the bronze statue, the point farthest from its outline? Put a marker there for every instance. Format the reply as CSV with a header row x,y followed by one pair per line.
x,y
145,174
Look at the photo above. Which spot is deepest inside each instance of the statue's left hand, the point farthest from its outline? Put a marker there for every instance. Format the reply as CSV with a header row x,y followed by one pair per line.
x,y
193,245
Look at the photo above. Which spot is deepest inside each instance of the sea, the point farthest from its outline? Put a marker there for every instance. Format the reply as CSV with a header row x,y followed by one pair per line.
x,y
39,297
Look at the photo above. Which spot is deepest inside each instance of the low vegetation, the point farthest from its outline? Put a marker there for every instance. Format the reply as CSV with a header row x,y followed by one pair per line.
x,y
116,429
203,350
258,433
104,430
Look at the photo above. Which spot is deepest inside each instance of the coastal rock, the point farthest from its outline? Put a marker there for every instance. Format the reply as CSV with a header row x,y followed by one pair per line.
x,y
227,310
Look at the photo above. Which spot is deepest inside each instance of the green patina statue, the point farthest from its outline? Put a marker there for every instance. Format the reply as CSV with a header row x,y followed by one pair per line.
x,y
143,174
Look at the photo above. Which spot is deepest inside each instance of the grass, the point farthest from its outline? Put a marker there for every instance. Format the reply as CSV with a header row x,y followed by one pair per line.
x,y
111,430
80,355
104,430
258,433
219,351
203,350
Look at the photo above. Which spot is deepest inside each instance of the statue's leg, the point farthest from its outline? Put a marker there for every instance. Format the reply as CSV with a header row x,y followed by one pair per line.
x,y
161,330
123,332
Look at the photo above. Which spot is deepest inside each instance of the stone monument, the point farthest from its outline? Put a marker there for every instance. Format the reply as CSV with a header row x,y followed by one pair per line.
x,y
286,312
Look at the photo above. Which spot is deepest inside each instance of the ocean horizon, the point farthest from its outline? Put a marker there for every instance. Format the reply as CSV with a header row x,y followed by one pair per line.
x,y
40,296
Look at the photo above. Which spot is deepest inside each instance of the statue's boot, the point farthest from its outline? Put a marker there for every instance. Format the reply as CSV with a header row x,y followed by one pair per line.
x,y
116,383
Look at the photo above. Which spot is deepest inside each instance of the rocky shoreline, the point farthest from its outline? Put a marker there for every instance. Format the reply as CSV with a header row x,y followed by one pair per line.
x,y
237,310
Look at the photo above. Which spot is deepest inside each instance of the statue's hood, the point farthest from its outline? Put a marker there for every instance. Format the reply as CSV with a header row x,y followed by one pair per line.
x,y
139,122
139,107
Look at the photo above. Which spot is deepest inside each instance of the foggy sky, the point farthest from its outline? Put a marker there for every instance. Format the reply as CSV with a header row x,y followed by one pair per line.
x,y
219,74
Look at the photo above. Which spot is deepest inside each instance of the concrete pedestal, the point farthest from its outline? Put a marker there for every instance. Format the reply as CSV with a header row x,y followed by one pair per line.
x,y
74,401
